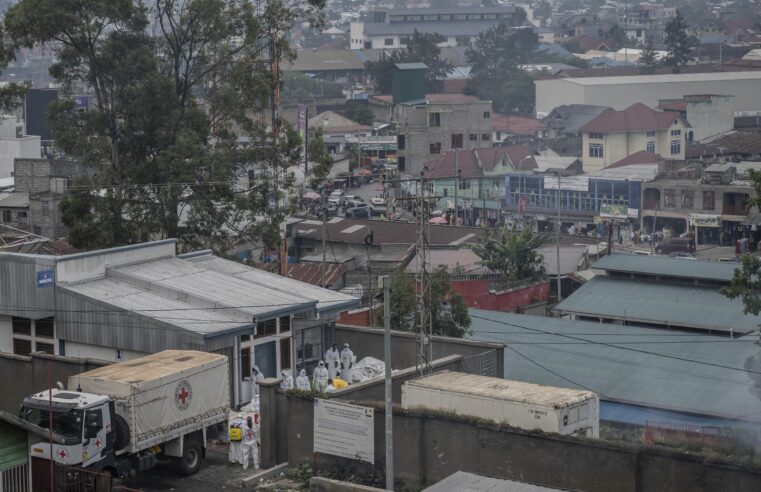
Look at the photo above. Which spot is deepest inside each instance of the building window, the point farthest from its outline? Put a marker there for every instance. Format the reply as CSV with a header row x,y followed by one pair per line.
x,y
434,119
485,137
676,133
6,215
44,347
650,147
430,187
464,184
676,147
401,142
401,163
474,137
669,198
21,326
266,328
595,150
688,199
285,324
457,140
404,40
595,136
22,347
285,352
651,134
435,148
44,328
388,41
22,215
45,209
487,115
709,200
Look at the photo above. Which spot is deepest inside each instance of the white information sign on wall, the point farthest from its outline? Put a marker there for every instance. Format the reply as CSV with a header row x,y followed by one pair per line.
x,y
344,430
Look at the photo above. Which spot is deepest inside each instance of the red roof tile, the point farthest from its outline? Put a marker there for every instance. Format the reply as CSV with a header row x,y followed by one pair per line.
x,y
519,125
311,273
635,118
641,157
473,163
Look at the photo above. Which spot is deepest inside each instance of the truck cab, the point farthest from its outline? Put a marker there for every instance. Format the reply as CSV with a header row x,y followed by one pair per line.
x,y
84,420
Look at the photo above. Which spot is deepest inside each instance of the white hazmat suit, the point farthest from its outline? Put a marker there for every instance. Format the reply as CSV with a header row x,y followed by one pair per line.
x,y
320,377
256,378
234,450
332,360
302,381
287,383
347,357
250,444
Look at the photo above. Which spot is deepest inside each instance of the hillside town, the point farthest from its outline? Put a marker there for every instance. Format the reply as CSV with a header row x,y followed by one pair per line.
x,y
367,245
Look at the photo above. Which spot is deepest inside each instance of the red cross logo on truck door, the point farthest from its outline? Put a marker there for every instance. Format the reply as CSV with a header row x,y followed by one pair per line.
x,y
97,442
183,394
62,454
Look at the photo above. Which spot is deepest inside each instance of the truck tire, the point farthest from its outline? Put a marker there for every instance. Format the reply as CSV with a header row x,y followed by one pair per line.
x,y
190,462
122,432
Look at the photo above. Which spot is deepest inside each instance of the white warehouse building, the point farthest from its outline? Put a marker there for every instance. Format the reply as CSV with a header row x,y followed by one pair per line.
x,y
621,92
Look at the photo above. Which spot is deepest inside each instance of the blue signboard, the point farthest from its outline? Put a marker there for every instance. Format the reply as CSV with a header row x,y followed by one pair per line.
x,y
44,278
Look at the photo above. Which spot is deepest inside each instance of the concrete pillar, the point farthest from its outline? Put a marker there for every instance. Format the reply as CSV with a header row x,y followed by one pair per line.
x,y
268,421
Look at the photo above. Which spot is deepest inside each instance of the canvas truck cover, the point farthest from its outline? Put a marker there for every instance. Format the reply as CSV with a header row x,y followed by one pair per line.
x,y
162,392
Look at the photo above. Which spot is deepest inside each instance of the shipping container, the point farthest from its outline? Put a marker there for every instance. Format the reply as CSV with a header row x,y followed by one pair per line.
x,y
163,395
515,403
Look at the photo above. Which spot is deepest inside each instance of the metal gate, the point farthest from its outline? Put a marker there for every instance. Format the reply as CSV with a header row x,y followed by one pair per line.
x,y
80,480
483,364
15,479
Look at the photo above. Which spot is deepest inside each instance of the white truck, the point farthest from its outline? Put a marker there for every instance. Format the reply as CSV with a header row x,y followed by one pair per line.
x,y
519,404
120,418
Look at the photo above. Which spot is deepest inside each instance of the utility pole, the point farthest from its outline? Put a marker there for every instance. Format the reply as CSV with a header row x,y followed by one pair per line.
x,y
456,184
389,395
557,240
323,214
423,280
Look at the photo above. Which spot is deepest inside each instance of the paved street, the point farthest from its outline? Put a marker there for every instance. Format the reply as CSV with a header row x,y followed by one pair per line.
x,y
215,474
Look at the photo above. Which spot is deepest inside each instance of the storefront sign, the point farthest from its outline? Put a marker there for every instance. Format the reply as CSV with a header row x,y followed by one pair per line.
x,y
612,211
567,183
705,220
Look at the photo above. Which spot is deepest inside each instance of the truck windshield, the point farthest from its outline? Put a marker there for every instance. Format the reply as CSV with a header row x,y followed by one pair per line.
x,y
67,423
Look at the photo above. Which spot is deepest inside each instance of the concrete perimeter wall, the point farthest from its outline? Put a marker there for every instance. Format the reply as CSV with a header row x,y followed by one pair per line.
x,y
430,447
369,342
25,375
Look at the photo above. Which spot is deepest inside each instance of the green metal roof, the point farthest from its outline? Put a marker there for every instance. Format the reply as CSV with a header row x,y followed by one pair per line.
x,y
627,369
673,305
667,266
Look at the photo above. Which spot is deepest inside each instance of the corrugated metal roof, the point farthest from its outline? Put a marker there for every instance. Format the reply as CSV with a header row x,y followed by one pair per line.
x,y
190,280
641,366
673,305
445,28
183,315
14,200
667,266
470,482
679,78
327,300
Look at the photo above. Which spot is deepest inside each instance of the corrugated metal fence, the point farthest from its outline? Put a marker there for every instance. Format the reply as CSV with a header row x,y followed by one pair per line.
x,y
483,364
15,479
687,436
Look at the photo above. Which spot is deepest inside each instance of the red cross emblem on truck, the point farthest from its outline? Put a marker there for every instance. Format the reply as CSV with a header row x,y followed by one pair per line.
x,y
183,394
62,454
97,442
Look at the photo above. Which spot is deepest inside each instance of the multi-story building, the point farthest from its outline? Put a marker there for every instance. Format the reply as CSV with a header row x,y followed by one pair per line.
x,y
615,135
430,124
707,114
15,144
459,26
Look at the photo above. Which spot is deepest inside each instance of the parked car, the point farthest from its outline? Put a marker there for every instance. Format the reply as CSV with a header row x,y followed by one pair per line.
x,y
363,211
350,201
676,245
378,201
335,198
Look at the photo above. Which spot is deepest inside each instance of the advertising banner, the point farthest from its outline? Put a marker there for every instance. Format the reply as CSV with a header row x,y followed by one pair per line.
x,y
705,220
612,211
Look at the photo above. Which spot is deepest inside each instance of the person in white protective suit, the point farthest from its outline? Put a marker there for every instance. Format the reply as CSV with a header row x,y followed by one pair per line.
x,y
332,360
320,377
256,378
250,444
347,358
287,383
302,381
236,438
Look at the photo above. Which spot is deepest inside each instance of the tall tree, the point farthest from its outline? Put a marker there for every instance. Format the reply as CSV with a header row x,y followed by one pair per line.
x,y
319,157
495,72
448,311
363,115
511,253
677,43
172,93
648,59
422,48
